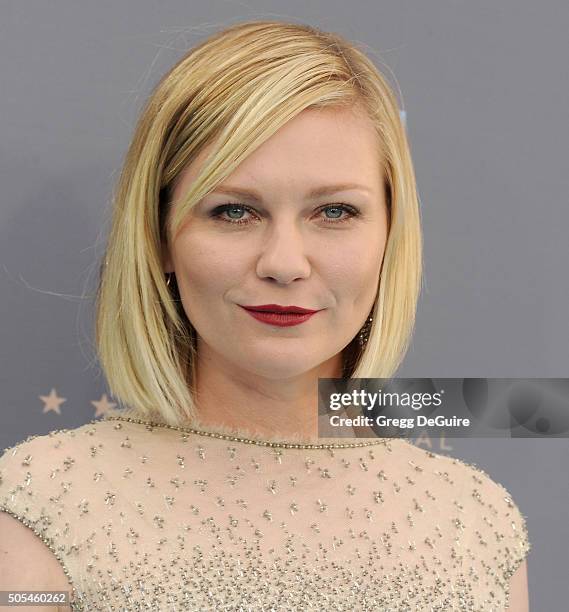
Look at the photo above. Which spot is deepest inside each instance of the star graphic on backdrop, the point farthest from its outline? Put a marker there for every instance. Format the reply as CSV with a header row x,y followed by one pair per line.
x,y
52,402
103,405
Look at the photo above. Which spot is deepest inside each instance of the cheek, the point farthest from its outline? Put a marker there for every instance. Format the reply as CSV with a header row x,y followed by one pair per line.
x,y
353,269
209,268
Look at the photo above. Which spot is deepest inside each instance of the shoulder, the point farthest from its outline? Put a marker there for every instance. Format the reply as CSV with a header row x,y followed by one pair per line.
x,y
46,479
52,445
36,472
42,479
478,507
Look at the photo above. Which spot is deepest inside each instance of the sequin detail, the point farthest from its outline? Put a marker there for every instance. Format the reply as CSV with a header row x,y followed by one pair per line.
x,y
143,516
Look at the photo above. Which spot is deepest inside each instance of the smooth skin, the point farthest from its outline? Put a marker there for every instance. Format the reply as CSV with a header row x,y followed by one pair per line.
x,y
519,596
27,564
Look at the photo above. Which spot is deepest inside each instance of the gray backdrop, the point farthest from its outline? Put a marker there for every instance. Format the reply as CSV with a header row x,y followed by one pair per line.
x,y
485,88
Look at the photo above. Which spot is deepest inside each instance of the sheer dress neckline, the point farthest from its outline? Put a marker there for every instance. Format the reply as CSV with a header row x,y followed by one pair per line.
x,y
226,434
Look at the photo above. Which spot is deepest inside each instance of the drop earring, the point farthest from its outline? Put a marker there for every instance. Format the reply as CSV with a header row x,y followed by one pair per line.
x,y
363,336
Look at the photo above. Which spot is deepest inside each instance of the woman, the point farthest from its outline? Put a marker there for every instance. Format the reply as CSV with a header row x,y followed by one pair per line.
x,y
268,171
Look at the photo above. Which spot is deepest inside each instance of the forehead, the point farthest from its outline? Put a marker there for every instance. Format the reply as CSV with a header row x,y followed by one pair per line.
x,y
317,146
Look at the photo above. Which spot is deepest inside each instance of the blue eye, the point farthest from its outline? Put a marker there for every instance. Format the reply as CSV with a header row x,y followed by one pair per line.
x,y
232,208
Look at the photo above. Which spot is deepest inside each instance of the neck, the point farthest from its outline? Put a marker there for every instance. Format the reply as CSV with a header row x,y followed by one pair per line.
x,y
230,400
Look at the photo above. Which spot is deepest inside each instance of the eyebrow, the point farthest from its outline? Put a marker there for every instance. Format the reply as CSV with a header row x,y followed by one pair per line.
x,y
313,193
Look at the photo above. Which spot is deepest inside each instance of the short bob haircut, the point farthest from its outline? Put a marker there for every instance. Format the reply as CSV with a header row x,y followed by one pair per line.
x,y
237,88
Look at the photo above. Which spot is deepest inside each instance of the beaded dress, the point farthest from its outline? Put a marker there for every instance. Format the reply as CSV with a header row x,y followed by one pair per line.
x,y
145,516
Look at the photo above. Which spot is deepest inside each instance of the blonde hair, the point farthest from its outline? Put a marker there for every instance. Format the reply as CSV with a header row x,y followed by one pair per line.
x,y
237,88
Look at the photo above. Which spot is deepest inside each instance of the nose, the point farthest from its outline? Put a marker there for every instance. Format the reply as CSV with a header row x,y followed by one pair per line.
x,y
283,255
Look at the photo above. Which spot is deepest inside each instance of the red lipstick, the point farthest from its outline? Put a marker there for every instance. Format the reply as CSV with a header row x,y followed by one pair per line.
x,y
280,309
282,316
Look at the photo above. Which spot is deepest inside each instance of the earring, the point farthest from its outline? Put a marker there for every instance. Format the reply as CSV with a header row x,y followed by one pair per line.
x,y
169,279
363,336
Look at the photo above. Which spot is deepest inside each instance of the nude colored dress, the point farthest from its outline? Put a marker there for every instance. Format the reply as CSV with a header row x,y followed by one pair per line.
x,y
143,516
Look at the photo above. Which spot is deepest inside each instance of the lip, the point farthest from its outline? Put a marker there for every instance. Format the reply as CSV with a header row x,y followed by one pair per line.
x,y
285,319
278,308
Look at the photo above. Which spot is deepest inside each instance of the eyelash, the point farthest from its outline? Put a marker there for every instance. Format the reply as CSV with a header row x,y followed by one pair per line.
x,y
218,210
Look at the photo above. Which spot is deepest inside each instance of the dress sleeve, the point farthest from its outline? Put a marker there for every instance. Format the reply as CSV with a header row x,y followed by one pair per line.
x,y
500,526
28,493
516,544
492,526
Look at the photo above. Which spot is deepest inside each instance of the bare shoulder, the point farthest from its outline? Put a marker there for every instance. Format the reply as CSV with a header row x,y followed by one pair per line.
x,y
518,589
26,563
41,480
